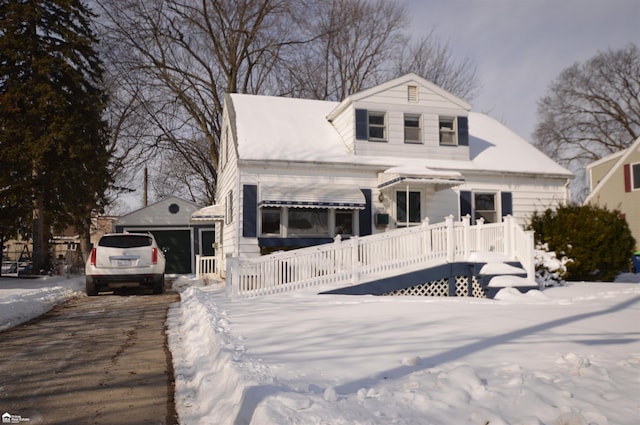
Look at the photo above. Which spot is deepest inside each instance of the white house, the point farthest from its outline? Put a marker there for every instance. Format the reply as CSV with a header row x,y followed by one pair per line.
x,y
298,172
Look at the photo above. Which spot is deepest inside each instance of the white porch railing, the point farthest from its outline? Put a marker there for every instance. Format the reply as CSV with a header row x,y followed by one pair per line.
x,y
206,267
360,259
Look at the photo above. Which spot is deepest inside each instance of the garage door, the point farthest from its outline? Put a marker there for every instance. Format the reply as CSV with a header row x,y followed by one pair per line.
x,y
176,245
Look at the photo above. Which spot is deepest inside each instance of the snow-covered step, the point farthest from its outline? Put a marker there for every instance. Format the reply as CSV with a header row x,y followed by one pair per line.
x,y
500,268
510,281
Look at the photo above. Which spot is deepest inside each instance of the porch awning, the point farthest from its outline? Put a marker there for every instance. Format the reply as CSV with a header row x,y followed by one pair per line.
x,y
311,196
210,213
442,179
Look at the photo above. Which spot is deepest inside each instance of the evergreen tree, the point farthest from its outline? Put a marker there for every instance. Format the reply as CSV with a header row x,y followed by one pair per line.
x,y
53,141
597,240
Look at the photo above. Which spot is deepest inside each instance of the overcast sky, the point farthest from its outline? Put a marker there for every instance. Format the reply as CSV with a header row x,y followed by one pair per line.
x,y
521,46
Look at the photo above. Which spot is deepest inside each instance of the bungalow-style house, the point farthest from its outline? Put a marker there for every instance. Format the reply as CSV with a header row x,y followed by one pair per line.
x,y
298,172
614,182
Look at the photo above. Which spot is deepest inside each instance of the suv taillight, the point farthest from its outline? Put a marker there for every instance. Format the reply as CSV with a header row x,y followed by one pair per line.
x,y
154,255
93,257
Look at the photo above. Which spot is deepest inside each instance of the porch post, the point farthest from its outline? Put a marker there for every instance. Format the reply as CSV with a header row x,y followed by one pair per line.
x,y
479,234
451,243
531,262
198,271
508,232
355,264
466,235
232,278
426,237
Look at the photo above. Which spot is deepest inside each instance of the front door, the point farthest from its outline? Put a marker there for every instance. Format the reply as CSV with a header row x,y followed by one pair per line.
x,y
408,211
207,241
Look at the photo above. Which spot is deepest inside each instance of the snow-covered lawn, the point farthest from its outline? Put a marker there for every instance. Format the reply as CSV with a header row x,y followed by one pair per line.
x,y
567,355
24,299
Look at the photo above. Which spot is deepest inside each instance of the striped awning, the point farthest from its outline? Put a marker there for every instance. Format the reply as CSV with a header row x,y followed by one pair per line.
x,y
311,196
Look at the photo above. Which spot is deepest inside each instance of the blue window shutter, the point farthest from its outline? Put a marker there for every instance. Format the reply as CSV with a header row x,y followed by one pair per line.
x,y
365,215
463,131
465,203
249,210
362,124
507,203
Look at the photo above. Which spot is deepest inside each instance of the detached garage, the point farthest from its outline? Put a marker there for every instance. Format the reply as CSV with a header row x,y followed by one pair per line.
x,y
169,222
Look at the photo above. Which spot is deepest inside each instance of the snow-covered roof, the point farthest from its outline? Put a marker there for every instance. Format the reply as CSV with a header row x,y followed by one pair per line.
x,y
209,213
289,129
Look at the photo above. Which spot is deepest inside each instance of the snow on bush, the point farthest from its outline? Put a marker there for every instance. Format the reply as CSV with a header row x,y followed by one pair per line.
x,y
550,270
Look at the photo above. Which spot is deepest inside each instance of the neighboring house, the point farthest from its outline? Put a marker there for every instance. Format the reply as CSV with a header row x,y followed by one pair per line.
x,y
297,172
614,182
171,223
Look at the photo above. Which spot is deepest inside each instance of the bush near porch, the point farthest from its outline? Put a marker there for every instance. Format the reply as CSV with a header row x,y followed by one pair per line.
x,y
598,240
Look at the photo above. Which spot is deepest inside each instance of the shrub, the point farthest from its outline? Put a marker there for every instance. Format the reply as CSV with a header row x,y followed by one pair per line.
x,y
598,241
550,270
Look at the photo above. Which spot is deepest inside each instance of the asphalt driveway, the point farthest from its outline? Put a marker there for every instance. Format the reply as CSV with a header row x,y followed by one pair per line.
x,y
92,360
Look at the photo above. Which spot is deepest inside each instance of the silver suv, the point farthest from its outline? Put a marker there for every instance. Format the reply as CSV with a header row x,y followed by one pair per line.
x,y
125,260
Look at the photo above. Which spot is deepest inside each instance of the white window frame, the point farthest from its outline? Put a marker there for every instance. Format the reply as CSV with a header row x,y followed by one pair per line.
x,y
407,208
407,130
331,224
477,213
448,135
383,126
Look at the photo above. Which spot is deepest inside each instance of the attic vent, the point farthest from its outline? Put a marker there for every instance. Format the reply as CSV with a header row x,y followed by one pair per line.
x,y
412,93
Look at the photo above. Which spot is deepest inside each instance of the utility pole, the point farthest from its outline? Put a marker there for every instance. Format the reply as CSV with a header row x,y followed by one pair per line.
x,y
146,187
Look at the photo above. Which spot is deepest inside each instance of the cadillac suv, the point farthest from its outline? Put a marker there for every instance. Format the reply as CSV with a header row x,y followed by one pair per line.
x,y
124,260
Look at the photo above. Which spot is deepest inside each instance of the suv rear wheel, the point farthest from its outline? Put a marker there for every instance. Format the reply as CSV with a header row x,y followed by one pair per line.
x,y
158,285
92,290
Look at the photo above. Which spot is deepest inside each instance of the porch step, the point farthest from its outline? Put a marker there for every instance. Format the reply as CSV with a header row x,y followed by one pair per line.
x,y
511,281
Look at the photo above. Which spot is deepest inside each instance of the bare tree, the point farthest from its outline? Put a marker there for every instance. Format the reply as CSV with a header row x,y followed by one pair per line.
x,y
188,54
591,110
180,57
433,60
353,42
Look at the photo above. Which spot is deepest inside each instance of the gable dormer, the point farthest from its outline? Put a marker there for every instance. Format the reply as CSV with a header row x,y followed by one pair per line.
x,y
406,117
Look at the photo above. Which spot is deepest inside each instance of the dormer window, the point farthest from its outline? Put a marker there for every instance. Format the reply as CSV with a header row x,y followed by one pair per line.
x,y
377,126
412,128
448,131
371,125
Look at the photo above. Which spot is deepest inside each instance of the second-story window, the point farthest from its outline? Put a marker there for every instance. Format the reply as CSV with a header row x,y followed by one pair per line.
x,y
377,126
412,128
448,131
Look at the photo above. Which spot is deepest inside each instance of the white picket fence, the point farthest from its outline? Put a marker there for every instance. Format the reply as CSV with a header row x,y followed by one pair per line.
x,y
206,267
361,259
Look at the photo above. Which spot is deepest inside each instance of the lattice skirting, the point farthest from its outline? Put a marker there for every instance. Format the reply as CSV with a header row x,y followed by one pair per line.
x,y
440,288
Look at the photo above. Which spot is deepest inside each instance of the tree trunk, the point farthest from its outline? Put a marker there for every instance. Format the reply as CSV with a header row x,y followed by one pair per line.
x,y
40,237
85,239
